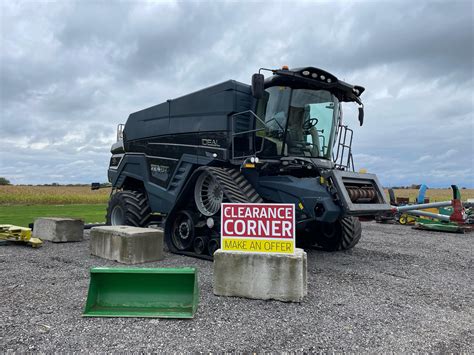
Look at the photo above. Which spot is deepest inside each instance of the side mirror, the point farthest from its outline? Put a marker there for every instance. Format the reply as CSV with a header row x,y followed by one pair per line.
x,y
361,115
258,87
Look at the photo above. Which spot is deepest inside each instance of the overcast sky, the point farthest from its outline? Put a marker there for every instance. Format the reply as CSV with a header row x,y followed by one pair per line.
x,y
70,72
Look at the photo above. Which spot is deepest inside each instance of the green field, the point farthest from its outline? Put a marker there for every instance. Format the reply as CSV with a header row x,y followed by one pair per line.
x,y
23,215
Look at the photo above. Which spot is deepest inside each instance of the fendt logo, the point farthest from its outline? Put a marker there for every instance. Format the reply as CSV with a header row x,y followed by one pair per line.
x,y
161,169
210,142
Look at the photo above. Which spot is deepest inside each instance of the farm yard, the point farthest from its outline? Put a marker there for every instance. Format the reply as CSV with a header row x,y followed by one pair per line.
x,y
398,290
267,178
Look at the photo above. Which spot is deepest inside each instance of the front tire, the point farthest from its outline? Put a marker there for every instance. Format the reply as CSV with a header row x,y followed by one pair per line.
x,y
344,234
129,208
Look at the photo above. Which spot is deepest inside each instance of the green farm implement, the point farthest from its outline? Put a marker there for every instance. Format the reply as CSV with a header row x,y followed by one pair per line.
x,y
451,216
144,292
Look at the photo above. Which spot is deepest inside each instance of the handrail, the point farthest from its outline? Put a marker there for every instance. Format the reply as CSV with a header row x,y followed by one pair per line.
x,y
234,134
343,147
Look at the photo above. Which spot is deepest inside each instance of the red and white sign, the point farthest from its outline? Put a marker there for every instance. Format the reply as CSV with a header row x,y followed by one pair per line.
x,y
258,227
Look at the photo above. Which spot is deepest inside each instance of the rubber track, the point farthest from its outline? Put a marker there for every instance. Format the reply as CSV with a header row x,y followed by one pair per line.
x,y
235,186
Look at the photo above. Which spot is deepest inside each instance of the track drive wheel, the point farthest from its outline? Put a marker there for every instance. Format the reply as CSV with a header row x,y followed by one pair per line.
x,y
213,245
208,194
342,235
183,231
129,208
200,245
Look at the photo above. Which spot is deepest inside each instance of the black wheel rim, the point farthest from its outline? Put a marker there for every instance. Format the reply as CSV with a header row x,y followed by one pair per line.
x,y
328,230
200,245
213,246
183,231
328,236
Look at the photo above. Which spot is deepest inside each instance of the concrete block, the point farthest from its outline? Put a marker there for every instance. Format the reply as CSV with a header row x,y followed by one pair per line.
x,y
263,276
127,245
59,229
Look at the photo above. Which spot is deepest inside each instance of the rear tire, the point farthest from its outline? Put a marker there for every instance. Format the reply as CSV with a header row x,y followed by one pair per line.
x,y
344,234
129,208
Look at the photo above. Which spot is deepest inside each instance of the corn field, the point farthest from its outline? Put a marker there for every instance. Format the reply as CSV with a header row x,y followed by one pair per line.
x,y
52,195
435,195
70,195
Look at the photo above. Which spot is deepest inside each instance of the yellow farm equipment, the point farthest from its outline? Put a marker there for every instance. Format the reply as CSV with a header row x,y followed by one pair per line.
x,y
405,218
13,233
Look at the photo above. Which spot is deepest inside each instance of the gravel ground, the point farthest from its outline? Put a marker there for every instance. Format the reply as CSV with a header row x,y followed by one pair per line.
x,y
398,290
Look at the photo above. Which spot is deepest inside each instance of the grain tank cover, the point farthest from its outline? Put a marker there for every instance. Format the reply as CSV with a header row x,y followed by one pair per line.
x,y
201,111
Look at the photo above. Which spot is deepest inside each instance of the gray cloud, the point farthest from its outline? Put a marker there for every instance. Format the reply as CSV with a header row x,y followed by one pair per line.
x,y
71,71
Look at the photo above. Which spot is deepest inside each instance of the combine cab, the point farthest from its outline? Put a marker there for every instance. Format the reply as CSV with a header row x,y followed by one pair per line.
x,y
279,140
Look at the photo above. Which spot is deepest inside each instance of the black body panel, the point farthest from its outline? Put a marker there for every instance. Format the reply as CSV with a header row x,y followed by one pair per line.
x,y
205,110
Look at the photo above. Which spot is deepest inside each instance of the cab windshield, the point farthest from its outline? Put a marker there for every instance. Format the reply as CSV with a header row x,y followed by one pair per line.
x,y
298,122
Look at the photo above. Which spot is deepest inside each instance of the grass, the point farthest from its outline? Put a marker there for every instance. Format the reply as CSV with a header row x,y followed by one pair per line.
x,y
23,215
52,195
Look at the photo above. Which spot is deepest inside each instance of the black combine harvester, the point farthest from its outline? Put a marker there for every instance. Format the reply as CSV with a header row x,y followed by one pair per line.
x,y
280,140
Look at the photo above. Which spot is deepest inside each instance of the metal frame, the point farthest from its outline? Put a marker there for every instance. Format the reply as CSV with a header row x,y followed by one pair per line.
x,y
342,147
234,134
339,178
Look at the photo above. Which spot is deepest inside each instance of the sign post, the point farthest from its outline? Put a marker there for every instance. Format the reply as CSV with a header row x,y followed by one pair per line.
x,y
258,227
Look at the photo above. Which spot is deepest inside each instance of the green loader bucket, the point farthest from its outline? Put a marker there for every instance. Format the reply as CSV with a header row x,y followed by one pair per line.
x,y
144,292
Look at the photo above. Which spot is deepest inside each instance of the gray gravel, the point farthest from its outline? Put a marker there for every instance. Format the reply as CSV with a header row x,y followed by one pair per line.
x,y
398,290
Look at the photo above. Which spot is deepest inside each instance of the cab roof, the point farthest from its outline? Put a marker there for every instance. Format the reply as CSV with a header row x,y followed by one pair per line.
x,y
315,78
